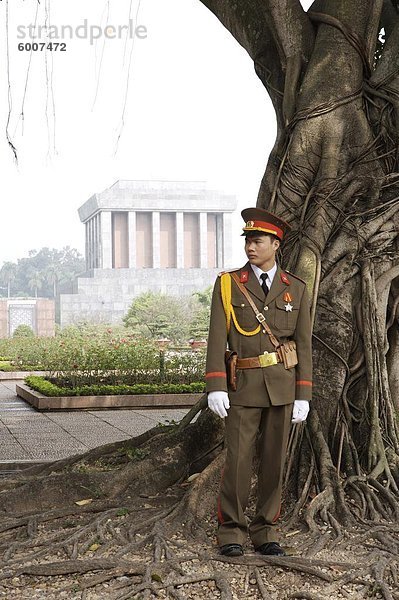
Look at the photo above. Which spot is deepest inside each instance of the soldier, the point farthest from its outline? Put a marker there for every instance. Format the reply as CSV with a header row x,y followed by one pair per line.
x,y
268,394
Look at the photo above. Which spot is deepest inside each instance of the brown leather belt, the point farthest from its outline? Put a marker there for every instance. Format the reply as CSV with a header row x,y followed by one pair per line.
x,y
256,362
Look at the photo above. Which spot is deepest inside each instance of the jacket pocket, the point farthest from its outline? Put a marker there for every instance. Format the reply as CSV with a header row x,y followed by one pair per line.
x,y
245,315
285,319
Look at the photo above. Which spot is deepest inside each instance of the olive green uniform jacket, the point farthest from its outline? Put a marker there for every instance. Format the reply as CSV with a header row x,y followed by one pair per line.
x,y
268,385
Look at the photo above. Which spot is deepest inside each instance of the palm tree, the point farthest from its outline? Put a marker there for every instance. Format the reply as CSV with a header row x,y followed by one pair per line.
x,y
52,274
8,273
36,281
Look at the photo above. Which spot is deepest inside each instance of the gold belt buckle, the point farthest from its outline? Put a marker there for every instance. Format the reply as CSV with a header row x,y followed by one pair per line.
x,y
267,359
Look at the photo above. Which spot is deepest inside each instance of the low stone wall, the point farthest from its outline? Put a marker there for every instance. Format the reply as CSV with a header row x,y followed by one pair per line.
x,y
42,402
12,375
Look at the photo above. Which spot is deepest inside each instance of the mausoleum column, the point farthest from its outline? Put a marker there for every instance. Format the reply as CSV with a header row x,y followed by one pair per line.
x,y
226,247
88,255
106,240
98,240
203,240
156,240
91,242
179,240
132,238
87,245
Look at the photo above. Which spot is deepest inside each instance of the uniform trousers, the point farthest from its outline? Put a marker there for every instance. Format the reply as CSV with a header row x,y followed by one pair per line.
x,y
243,424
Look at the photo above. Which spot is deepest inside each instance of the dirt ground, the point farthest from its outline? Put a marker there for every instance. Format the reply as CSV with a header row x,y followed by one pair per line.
x,y
109,563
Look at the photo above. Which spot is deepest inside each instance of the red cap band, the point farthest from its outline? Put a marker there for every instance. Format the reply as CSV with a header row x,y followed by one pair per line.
x,y
263,226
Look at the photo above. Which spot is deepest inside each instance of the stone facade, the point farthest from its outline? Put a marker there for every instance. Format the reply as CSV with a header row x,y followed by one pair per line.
x,y
169,237
106,294
38,313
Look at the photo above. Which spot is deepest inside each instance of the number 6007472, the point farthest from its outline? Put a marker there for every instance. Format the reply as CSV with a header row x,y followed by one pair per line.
x,y
40,46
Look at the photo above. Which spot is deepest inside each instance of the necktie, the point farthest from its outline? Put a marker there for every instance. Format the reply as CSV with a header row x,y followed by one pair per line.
x,y
265,288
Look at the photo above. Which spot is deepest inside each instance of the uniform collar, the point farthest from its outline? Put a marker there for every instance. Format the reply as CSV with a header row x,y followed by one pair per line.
x,y
271,273
252,283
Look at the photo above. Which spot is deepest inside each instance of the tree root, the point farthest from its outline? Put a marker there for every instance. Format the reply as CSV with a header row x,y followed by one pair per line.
x,y
166,572
305,596
158,540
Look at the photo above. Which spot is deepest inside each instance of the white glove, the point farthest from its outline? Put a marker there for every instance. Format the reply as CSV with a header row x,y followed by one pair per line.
x,y
300,411
219,403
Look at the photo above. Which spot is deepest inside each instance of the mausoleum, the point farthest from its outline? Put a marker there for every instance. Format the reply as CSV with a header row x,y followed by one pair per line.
x,y
166,236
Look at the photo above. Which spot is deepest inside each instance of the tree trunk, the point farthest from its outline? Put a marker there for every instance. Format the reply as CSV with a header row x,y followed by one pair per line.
x,y
333,175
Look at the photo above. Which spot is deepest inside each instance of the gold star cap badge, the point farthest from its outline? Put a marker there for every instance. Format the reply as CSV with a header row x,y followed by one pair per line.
x,y
259,219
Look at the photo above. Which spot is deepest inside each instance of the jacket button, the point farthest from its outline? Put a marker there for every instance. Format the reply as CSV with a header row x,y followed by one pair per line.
x,y
266,308
242,305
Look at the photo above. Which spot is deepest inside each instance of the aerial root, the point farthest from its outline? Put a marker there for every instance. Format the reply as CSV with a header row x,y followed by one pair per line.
x,y
166,571
378,571
64,540
376,501
301,565
149,585
321,502
188,514
67,567
305,596
262,588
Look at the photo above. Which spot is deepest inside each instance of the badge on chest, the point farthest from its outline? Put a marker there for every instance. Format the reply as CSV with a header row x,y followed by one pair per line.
x,y
288,299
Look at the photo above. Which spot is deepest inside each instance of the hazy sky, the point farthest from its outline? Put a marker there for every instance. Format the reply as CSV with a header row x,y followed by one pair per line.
x,y
195,110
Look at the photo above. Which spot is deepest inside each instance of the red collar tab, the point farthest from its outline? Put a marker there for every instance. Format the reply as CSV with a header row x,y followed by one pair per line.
x,y
285,279
244,276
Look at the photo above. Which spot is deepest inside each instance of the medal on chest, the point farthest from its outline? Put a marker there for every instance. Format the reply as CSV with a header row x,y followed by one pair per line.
x,y
288,299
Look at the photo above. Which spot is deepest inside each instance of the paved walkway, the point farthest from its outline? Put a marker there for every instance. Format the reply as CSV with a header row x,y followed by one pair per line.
x,y
27,435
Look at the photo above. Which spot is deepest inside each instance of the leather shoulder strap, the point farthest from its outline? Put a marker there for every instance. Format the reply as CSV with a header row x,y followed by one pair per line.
x,y
259,316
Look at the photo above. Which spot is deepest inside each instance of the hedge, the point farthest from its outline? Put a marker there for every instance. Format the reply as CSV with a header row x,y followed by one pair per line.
x,y
47,388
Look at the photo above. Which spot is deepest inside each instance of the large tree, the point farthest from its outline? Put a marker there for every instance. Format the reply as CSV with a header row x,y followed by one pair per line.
x,y
333,174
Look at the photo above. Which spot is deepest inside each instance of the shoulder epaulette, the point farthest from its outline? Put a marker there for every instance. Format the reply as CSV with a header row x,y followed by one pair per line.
x,y
295,276
229,271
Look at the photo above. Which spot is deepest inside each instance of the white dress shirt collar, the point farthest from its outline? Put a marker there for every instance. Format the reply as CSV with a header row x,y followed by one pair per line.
x,y
271,273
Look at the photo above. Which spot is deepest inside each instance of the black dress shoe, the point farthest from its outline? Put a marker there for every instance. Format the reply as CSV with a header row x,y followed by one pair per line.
x,y
231,550
270,549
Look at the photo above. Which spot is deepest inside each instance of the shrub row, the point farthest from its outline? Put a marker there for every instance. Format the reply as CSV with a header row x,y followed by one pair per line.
x,y
48,388
9,367
81,356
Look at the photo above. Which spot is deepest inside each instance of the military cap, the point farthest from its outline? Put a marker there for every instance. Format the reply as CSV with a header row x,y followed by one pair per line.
x,y
259,219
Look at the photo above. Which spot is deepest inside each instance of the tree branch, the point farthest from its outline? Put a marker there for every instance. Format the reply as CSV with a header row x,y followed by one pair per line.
x,y
246,20
255,23
342,49
294,38
277,35
362,16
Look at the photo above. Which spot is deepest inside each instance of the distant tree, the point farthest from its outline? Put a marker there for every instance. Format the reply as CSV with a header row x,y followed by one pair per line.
x,y
204,297
156,315
55,266
72,264
52,276
8,274
36,280
199,325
